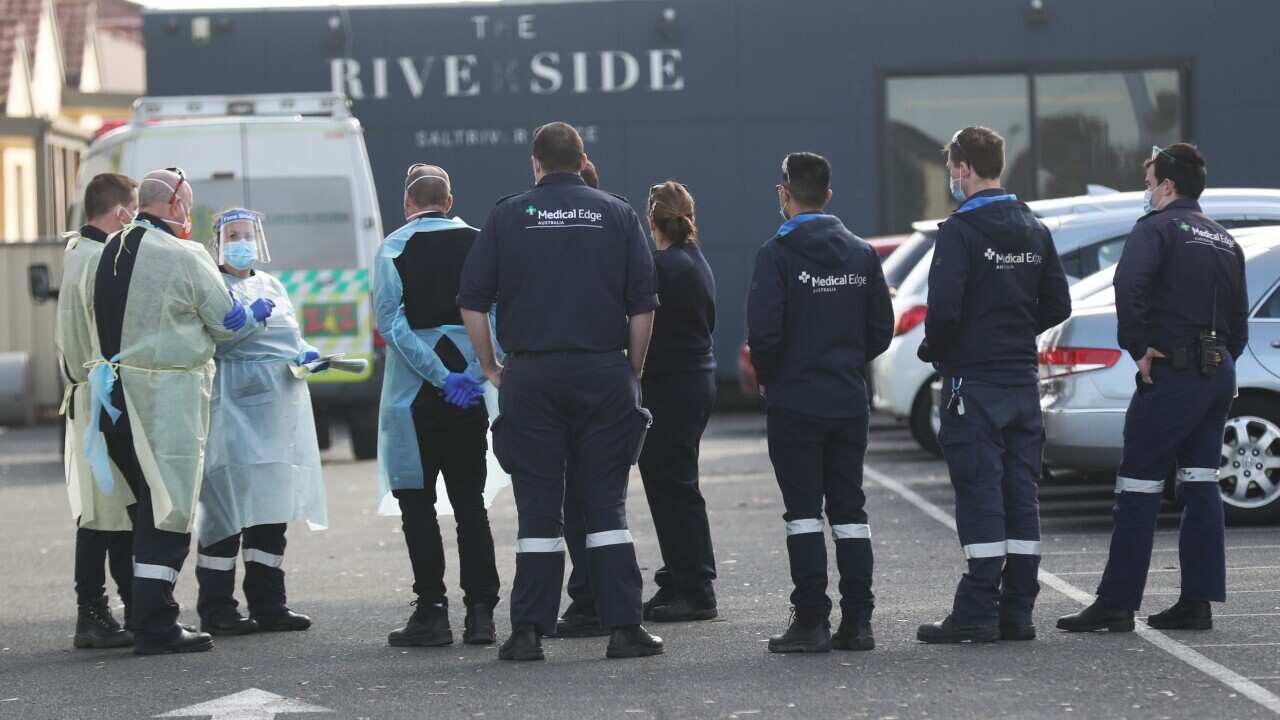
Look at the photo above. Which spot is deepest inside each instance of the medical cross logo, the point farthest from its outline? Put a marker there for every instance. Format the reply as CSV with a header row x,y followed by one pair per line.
x,y
831,283
531,210
1007,261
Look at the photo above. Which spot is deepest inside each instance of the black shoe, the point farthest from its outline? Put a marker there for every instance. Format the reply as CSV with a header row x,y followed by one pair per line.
x,y
185,642
478,628
1097,617
97,628
1184,615
633,641
1017,631
948,631
282,620
854,634
427,627
662,597
228,622
574,624
524,644
680,610
802,639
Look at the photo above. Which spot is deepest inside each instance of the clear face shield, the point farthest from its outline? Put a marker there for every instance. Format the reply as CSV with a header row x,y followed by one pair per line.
x,y
242,243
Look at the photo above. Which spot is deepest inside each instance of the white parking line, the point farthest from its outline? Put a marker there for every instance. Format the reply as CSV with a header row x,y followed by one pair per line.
x,y
1221,673
1171,570
1235,615
1232,592
1168,549
1221,645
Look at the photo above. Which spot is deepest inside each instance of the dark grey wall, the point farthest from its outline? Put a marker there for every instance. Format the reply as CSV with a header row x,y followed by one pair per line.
x,y
762,78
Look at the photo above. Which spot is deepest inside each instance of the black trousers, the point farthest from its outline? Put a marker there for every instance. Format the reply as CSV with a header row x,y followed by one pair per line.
x,y
263,572
158,554
681,405
993,453
554,407
819,460
94,550
460,453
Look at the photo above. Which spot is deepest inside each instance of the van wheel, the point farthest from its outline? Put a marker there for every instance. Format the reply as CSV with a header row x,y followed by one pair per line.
x,y
924,421
324,430
1249,476
363,422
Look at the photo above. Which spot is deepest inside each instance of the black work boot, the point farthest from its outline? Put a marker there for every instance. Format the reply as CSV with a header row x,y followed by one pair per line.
x,y
97,628
1016,631
1184,615
1097,617
227,621
681,610
801,638
949,632
633,641
664,596
854,632
478,627
185,641
580,622
281,620
524,644
427,627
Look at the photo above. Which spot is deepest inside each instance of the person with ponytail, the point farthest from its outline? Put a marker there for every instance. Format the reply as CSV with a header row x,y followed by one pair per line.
x,y
679,389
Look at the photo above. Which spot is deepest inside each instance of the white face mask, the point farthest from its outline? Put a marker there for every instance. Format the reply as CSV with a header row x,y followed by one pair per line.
x,y
956,186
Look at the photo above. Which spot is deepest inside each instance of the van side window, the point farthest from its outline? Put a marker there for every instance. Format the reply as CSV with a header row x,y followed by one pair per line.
x,y
1270,308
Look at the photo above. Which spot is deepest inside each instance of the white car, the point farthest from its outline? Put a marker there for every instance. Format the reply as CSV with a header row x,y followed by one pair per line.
x,y
1089,237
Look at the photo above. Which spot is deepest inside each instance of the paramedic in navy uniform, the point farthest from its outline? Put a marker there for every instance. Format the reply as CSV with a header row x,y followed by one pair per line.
x,y
573,278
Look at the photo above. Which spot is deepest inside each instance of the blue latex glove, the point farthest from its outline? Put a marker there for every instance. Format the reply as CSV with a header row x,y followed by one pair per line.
x,y
236,317
262,309
460,390
309,355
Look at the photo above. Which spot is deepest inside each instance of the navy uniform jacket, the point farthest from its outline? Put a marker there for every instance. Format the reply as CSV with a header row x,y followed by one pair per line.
x,y
817,313
1175,262
567,264
996,283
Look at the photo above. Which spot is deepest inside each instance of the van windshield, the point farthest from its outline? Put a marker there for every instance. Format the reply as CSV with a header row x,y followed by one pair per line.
x,y
309,221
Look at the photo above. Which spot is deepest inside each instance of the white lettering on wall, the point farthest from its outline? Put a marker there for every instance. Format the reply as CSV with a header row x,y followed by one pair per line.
x,y
630,71
525,27
414,78
545,68
662,71
457,73
344,74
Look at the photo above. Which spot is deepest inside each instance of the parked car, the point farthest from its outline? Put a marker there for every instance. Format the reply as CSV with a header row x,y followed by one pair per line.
x,y
1089,233
1087,381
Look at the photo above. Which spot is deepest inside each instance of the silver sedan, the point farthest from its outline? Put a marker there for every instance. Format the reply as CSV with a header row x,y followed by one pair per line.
x,y
1086,382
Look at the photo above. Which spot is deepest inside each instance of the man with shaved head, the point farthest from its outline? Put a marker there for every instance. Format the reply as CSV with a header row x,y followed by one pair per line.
x,y
432,419
160,306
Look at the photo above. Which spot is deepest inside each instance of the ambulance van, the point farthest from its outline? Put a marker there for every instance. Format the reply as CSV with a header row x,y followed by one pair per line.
x,y
299,159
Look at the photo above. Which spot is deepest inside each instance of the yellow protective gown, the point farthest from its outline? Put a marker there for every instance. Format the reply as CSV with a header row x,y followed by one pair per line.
x,y
173,318
77,340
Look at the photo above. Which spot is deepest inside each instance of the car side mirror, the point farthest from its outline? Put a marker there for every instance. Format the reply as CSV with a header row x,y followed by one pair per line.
x,y
38,281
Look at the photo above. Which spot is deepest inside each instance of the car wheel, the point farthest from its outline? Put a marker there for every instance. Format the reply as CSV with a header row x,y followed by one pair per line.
x,y
925,420
363,422
1249,476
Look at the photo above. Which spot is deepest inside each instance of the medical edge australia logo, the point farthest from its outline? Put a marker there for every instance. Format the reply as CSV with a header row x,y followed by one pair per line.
x,y
564,218
1009,261
832,283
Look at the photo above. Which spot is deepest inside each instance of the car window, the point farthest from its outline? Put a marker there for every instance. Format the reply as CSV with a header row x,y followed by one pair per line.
x,y
309,221
1270,308
1109,251
901,261
1072,264
917,281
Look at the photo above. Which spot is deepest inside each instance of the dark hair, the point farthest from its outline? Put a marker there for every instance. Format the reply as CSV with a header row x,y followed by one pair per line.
x,y
807,176
981,147
558,147
590,176
106,191
1184,165
671,207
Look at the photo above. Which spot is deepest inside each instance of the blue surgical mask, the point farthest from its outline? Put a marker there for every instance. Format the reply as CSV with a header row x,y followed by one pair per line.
x,y
240,255
957,190
1146,202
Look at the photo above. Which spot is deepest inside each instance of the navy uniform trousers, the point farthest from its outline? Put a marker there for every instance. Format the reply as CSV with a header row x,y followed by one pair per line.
x,y
993,453
158,554
263,572
1177,422
553,407
816,460
681,403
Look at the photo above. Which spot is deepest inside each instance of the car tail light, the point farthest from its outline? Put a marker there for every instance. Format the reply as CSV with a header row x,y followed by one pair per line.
x,y
910,318
378,341
1060,361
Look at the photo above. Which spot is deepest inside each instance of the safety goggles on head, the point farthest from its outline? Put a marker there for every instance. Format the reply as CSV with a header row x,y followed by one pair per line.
x,y
241,240
1157,151
658,186
182,178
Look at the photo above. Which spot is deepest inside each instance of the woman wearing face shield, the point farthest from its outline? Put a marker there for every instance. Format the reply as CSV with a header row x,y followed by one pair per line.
x,y
262,467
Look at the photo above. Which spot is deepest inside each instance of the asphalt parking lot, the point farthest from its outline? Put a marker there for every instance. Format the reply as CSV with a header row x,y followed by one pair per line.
x,y
353,579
